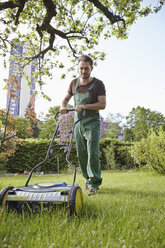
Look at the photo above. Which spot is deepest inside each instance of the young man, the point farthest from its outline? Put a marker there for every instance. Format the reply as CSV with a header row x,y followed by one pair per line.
x,y
89,94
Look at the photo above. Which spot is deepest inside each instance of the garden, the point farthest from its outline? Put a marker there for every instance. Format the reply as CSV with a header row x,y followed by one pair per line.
x,y
127,211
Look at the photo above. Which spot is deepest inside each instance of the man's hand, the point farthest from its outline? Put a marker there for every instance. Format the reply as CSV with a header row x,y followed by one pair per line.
x,y
63,110
80,108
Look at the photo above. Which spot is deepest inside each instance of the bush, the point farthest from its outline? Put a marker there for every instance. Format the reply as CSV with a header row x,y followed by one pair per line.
x,y
151,151
33,151
113,154
110,157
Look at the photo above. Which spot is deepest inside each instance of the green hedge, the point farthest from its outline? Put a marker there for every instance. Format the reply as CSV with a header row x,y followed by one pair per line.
x,y
121,150
150,151
32,151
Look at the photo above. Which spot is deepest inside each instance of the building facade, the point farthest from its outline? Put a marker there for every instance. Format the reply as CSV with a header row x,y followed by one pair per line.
x,y
18,105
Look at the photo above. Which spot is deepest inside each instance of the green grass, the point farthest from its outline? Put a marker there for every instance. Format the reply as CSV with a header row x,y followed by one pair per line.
x,y
127,212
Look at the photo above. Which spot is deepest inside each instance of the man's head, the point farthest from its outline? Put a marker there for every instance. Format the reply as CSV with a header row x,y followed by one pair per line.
x,y
85,66
86,58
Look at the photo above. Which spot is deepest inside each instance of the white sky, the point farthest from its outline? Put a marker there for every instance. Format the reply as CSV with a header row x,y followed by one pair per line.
x,y
133,71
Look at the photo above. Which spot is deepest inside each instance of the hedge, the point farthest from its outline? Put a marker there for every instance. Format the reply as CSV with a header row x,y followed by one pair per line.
x,y
122,155
150,151
32,151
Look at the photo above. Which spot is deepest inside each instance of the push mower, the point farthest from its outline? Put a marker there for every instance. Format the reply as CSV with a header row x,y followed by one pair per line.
x,y
46,194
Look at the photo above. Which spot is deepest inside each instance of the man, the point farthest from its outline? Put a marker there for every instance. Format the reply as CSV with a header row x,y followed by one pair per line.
x,y
89,96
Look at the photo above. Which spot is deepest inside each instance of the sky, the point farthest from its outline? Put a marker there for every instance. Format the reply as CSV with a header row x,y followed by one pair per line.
x,y
133,71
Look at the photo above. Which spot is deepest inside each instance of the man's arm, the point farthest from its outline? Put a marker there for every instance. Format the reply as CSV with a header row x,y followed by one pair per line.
x,y
101,104
63,109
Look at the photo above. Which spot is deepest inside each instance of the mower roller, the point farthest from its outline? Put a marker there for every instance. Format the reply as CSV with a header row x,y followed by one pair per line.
x,y
46,194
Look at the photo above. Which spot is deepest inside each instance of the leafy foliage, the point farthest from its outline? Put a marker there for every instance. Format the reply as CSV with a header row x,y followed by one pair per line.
x,y
32,151
150,151
115,154
140,121
110,157
114,125
51,28
12,128
47,126
23,128
31,116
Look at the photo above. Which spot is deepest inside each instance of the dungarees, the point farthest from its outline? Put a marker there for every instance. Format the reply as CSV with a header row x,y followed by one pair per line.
x,y
87,134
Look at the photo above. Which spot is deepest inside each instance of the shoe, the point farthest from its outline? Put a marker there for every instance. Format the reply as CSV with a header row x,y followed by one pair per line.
x,y
92,191
86,186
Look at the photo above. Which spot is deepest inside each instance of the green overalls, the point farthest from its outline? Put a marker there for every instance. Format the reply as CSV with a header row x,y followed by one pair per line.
x,y
87,134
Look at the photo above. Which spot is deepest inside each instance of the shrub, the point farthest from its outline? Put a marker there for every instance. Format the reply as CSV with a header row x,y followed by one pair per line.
x,y
110,157
33,151
113,154
151,151
116,153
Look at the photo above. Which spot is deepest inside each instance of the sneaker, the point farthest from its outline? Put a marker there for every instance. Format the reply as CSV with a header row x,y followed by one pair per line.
x,y
92,191
86,186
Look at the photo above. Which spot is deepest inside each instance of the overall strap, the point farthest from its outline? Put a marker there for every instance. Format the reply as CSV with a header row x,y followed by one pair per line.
x,y
77,84
90,88
92,85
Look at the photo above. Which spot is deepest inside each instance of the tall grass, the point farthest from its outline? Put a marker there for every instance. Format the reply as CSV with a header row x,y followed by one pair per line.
x,y
127,212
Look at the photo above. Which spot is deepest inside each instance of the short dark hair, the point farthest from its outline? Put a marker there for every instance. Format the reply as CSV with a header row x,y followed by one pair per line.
x,y
86,58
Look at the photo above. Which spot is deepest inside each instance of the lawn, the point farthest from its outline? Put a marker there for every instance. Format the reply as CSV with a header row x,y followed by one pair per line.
x,y
127,212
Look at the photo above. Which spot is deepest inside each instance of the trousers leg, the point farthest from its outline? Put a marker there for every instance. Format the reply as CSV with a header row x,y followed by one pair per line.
x,y
82,154
93,150
87,145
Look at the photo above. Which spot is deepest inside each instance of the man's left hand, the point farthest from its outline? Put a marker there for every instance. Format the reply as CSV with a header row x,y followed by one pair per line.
x,y
79,108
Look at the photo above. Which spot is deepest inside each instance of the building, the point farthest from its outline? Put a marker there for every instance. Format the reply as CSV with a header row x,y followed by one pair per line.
x,y
25,96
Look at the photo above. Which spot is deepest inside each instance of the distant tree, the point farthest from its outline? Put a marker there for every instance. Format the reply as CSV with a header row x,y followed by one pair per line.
x,y
49,28
47,127
139,122
10,127
150,151
114,125
31,116
23,127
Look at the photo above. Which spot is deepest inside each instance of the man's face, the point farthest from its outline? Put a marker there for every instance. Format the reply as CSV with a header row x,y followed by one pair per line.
x,y
84,69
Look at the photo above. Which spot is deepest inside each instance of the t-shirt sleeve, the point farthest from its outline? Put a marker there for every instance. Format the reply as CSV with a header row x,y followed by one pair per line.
x,y
101,89
71,87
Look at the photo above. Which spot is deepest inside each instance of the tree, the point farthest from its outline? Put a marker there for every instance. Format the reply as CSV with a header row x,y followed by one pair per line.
x,y
31,116
114,125
150,151
23,128
140,121
49,28
47,127
10,127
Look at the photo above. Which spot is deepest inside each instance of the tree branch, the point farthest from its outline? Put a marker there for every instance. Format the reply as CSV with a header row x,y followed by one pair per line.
x,y
9,5
111,17
21,7
20,4
51,7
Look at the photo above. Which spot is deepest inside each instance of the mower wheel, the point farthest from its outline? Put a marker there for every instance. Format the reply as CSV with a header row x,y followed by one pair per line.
x,y
75,200
3,195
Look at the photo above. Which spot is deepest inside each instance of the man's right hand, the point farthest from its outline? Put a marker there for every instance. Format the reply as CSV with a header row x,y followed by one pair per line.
x,y
63,110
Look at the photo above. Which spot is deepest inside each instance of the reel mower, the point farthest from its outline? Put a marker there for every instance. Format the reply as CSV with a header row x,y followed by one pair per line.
x,y
45,194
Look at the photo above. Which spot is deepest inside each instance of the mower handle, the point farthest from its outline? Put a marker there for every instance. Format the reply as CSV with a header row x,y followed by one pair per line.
x,y
68,110
50,146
